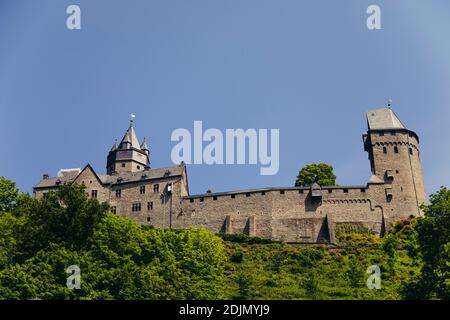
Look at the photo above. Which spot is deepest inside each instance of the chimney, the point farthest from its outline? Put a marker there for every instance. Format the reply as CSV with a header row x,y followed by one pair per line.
x,y
45,176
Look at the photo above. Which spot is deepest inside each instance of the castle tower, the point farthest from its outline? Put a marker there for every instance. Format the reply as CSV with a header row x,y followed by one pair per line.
x,y
129,155
394,158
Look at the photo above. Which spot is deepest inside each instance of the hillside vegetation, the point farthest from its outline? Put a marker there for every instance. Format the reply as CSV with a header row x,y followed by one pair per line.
x,y
119,259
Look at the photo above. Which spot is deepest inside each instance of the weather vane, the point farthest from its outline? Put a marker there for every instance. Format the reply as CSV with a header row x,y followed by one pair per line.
x,y
132,116
389,102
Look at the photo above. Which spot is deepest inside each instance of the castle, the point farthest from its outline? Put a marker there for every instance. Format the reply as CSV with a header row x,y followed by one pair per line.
x,y
160,197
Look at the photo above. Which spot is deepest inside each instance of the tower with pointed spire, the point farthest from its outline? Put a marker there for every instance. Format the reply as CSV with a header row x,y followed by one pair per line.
x,y
394,156
129,155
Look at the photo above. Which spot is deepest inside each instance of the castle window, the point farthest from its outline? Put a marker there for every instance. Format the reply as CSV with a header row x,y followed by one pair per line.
x,y
148,219
156,188
142,189
118,193
215,198
363,190
330,190
94,194
191,200
395,149
410,151
300,191
384,150
392,133
381,133
136,207
396,171
202,199
281,191
123,165
233,196
113,209
247,194
263,193
150,205
345,190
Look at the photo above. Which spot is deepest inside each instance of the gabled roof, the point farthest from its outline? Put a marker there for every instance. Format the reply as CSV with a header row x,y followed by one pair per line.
x,y
384,118
130,137
121,178
89,167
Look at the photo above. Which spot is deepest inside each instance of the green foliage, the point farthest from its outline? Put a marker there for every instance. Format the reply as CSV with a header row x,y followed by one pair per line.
x,y
118,258
242,238
9,194
353,234
433,239
321,173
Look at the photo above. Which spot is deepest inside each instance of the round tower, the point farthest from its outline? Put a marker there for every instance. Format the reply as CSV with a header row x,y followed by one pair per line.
x,y
395,158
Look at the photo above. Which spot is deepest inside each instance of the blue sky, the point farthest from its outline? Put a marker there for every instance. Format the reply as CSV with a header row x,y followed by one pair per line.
x,y
309,68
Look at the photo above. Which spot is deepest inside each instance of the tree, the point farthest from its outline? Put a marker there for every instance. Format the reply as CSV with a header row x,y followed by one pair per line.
x,y
118,258
321,173
9,194
433,236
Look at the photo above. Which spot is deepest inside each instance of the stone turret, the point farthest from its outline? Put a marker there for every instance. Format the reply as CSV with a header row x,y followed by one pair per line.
x,y
129,155
394,158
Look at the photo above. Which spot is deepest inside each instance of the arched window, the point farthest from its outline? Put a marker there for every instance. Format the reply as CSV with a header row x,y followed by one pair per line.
x,y
410,151
384,150
396,149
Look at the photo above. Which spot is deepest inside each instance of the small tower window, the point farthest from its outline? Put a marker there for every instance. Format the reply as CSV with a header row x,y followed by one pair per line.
x,y
156,188
138,167
384,150
136,207
395,149
113,209
142,189
94,194
123,165
150,205
410,151
118,193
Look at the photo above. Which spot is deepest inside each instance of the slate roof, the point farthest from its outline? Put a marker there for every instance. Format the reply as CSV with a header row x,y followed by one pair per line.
x,y
384,118
144,145
52,181
130,137
121,178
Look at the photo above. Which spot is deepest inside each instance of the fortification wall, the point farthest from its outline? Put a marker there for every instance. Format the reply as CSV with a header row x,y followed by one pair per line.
x,y
290,215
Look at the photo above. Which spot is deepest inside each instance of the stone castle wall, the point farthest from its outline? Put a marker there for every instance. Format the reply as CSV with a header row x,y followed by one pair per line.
x,y
395,191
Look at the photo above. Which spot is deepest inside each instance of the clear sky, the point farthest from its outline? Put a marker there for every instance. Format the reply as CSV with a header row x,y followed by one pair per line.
x,y
309,68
